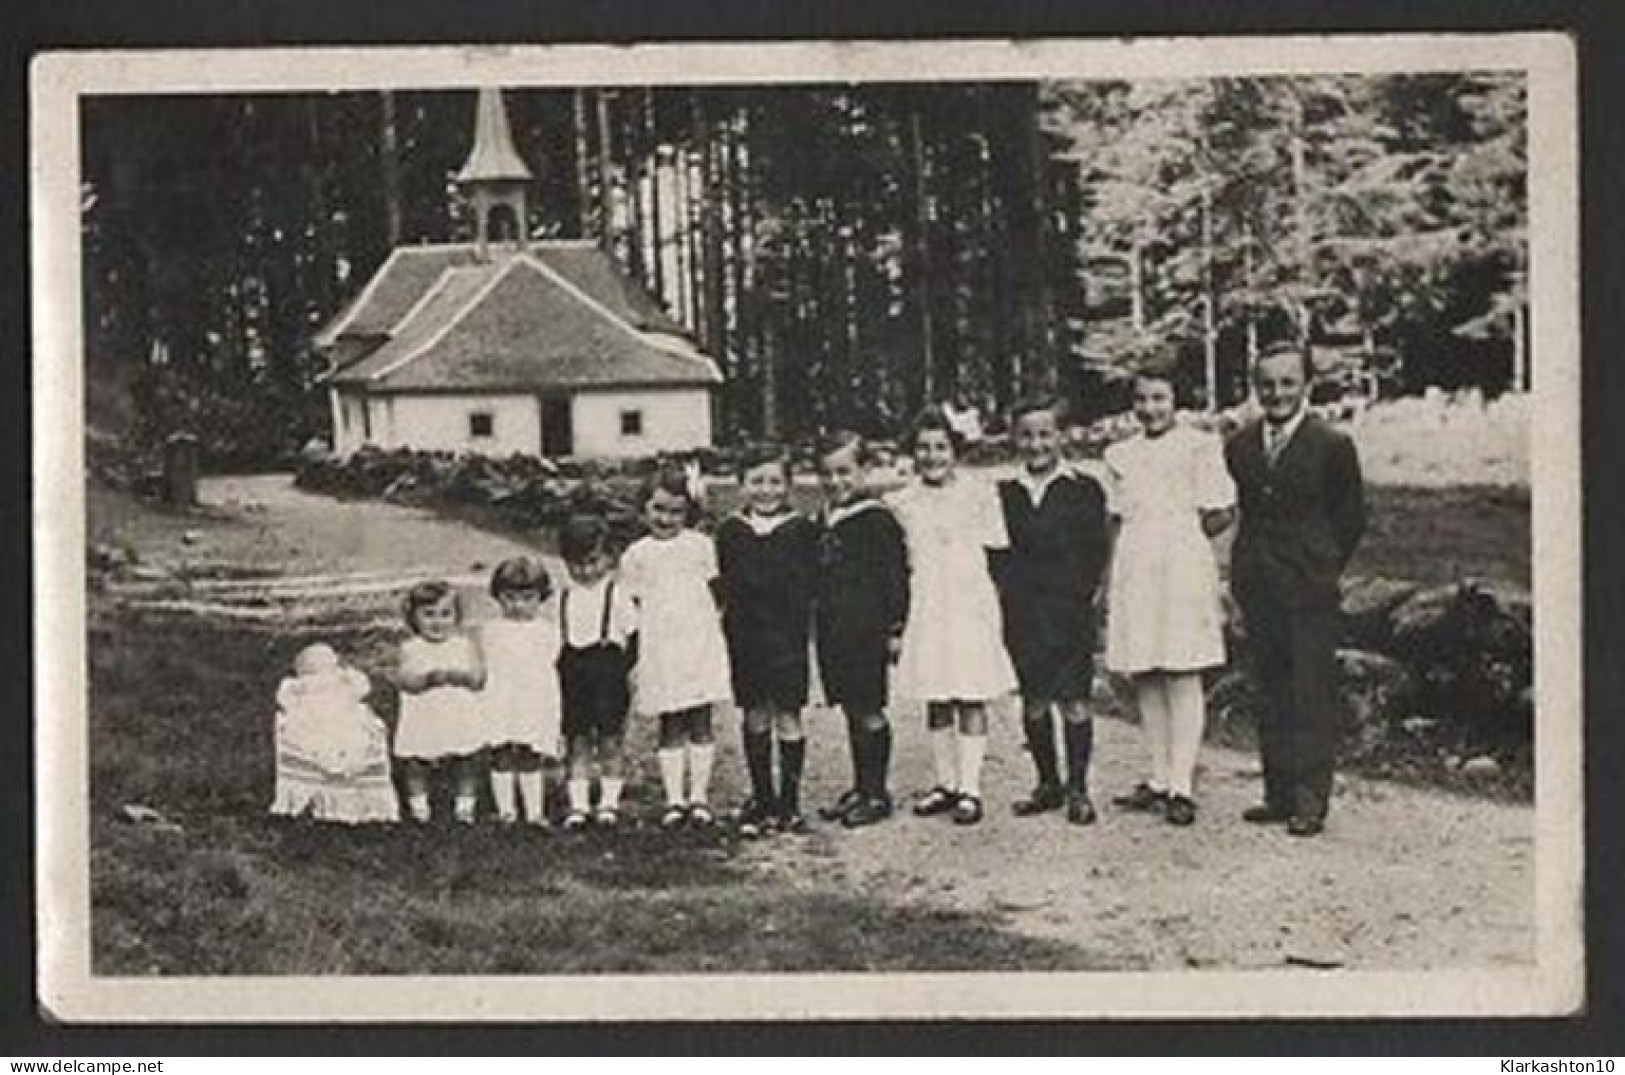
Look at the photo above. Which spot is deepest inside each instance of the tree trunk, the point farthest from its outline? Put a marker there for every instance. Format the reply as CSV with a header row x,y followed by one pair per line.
x,y
921,249
607,236
1210,332
584,201
389,158
652,143
713,292
633,161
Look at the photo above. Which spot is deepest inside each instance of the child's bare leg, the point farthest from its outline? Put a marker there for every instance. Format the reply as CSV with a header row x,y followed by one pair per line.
x,y
583,750
972,747
505,781
702,753
939,721
415,774
525,767
465,774
673,757
611,771
1187,713
1155,725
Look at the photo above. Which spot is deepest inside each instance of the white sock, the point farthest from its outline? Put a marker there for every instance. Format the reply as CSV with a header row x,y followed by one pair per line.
x,y
700,757
1154,720
1187,711
943,754
531,789
972,749
465,808
418,807
672,760
505,793
580,795
609,793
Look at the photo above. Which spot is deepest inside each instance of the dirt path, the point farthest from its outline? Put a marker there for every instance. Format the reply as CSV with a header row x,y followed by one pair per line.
x,y
1403,878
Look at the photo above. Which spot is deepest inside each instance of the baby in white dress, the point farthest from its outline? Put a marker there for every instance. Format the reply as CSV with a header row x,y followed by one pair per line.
x,y
332,751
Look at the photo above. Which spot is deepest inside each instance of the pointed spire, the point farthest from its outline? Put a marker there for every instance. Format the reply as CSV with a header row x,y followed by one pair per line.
x,y
493,155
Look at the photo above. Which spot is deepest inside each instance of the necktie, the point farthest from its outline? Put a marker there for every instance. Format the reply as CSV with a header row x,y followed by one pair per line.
x,y
1274,441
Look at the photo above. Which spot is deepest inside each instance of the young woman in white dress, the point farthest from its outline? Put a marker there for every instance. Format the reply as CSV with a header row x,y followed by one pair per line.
x,y
1170,495
953,656
521,697
682,667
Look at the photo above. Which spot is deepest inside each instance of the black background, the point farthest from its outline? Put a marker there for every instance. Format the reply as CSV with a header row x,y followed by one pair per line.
x,y
39,25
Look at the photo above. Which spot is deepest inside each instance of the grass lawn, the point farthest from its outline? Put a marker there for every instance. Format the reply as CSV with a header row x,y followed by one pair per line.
x,y
1439,535
181,722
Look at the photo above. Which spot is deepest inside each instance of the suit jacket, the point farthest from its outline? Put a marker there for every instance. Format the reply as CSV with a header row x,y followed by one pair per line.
x,y
1301,517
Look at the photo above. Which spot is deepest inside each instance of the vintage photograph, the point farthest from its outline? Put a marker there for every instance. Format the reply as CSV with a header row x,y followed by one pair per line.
x,y
550,534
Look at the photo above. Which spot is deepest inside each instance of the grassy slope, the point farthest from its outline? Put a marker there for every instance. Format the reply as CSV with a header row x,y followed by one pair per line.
x,y
179,722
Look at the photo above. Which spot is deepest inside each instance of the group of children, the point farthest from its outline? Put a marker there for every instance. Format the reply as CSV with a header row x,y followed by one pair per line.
x,y
948,592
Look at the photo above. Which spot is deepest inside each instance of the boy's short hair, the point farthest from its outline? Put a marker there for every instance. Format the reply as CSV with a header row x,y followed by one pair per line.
x,y
932,418
582,537
1288,347
520,574
840,440
761,454
1033,405
426,593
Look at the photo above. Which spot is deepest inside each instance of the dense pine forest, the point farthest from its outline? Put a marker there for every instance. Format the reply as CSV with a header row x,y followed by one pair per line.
x,y
846,252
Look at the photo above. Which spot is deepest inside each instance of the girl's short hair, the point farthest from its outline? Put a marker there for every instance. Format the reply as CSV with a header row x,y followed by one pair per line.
x,y
521,574
840,440
671,480
931,419
1033,405
426,593
582,537
761,454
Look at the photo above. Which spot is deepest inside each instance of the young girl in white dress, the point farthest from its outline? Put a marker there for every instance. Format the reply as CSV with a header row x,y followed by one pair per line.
x,y
521,697
439,670
1170,494
682,667
332,751
953,656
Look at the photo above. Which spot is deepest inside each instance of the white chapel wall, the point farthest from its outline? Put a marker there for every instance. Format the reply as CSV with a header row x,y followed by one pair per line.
x,y
672,419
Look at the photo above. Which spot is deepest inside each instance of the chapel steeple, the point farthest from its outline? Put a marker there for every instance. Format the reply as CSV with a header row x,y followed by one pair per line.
x,y
494,178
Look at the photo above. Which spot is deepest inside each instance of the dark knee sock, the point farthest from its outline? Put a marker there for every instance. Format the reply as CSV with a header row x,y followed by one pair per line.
x,y
880,761
792,756
759,760
856,738
1041,745
1080,743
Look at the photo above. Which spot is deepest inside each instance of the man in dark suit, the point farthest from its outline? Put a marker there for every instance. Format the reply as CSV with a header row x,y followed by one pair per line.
x,y
1302,512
